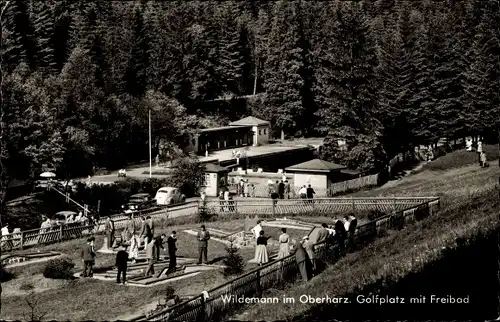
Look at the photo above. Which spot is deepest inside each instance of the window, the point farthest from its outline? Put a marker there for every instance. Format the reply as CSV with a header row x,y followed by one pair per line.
x,y
260,132
264,131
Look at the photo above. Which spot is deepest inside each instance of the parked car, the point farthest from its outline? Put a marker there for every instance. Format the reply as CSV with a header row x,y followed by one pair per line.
x,y
62,217
139,201
169,196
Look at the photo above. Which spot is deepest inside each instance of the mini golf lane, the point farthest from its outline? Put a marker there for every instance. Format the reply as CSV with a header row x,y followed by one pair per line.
x,y
28,258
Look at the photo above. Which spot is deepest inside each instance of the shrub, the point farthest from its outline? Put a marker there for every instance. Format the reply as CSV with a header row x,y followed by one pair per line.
x,y
59,268
234,262
205,213
5,275
26,286
187,175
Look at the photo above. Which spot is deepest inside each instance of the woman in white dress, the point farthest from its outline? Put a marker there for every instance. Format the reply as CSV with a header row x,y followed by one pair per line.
x,y
257,229
261,256
133,252
284,249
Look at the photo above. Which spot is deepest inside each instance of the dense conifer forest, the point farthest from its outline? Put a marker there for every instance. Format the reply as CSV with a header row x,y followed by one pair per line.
x,y
79,77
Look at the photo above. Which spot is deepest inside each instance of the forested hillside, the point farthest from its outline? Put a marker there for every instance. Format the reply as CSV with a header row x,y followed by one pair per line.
x,y
80,77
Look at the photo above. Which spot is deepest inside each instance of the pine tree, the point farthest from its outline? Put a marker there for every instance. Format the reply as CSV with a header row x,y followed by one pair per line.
x,y
482,85
234,263
42,15
348,103
284,81
136,77
229,49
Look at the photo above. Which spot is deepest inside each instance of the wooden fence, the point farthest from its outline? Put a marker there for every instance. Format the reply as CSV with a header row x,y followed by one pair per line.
x,y
263,190
253,283
41,236
250,206
267,206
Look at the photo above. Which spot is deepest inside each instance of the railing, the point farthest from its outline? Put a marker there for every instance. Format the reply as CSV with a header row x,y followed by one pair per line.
x,y
41,236
264,190
254,282
268,206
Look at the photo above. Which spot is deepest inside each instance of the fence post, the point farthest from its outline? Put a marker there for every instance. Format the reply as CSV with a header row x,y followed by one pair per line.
x,y
258,288
353,205
393,204
22,239
274,207
203,305
235,203
61,232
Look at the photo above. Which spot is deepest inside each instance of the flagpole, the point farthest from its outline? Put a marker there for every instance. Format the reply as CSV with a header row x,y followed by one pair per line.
x,y
149,142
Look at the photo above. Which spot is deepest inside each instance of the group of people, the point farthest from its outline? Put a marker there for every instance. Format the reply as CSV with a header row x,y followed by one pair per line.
x,y
307,193
245,189
305,256
279,189
131,238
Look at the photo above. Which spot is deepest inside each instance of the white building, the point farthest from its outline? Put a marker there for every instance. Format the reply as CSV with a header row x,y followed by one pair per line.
x,y
260,129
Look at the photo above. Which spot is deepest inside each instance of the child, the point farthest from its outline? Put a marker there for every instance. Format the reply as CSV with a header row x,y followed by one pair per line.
x,y
121,264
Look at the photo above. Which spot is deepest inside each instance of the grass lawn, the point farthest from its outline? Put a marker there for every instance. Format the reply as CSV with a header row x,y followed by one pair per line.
x,y
88,299
469,205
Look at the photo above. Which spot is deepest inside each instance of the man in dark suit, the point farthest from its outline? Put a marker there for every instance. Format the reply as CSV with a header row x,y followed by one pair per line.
x,y
310,193
281,189
150,229
158,242
121,264
172,239
203,237
142,232
88,258
109,228
322,233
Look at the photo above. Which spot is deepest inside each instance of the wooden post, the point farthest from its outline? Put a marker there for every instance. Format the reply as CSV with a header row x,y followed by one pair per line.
x,y
257,287
203,305
235,203
61,228
22,239
99,207
274,207
353,204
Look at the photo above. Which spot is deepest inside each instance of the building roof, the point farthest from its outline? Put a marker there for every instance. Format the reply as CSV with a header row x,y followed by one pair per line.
x,y
224,128
249,120
214,168
316,165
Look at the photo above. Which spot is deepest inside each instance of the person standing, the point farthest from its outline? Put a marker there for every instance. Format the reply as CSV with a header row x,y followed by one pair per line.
x,y
261,256
221,201
309,247
322,233
257,229
150,230
172,248
142,232
287,189
284,248
340,234
121,264
479,150
310,193
303,261
281,189
246,189
203,237
303,192
88,258
131,227
353,224
150,256
158,242
134,248
226,199
346,223
109,228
